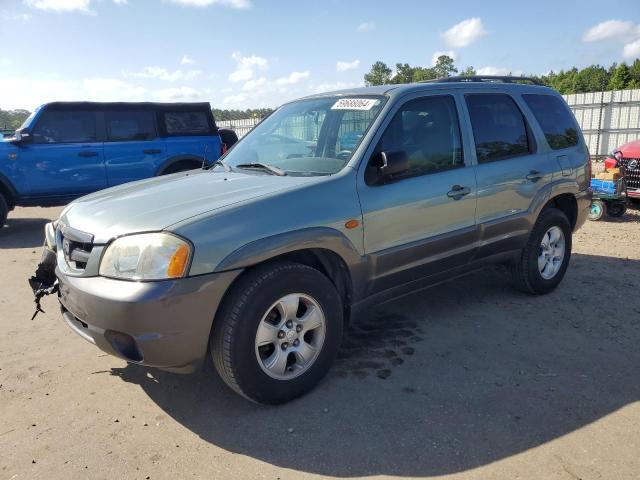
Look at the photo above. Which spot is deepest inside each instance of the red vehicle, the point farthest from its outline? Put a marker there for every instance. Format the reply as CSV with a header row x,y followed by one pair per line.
x,y
628,156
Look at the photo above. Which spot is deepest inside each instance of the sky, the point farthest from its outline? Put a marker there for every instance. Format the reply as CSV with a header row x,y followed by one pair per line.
x,y
261,53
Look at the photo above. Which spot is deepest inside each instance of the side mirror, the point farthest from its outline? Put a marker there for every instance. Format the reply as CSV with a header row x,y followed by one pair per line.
x,y
22,137
391,163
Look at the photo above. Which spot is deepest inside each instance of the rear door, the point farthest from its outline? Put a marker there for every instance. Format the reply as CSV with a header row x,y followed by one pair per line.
x,y
511,169
190,133
132,150
65,158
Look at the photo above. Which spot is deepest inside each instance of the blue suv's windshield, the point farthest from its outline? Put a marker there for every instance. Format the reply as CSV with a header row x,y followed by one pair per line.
x,y
308,137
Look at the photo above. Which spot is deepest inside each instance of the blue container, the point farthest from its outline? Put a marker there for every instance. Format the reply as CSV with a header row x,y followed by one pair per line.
x,y
607,187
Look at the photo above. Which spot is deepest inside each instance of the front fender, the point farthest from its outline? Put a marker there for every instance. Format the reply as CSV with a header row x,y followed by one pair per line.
x,y
323,238
269,247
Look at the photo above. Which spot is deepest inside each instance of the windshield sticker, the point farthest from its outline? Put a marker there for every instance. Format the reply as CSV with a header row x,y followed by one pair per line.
x,y
355,104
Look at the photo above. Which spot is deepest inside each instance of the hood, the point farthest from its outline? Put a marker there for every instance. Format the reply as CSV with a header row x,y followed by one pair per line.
x,y
157,203
631,149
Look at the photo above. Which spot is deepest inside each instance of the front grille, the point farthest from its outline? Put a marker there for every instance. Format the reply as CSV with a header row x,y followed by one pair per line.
x,y
76,247
632,172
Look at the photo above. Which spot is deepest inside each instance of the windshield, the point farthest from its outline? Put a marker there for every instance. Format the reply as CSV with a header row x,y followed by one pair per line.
x,y
308,137
29,119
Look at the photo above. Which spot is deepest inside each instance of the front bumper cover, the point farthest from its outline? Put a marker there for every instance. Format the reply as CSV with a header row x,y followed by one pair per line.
x,y
163,324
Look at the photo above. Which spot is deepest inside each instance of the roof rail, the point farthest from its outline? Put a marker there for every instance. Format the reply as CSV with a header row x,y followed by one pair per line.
x,y
485,78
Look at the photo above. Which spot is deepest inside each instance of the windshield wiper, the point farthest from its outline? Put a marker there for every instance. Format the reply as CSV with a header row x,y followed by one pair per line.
x,y
263,166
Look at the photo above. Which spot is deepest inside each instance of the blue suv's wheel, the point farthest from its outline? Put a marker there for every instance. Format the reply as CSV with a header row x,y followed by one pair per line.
x,y
4,210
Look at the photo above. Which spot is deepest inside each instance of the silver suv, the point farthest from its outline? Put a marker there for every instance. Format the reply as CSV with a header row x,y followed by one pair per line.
x,y
333,202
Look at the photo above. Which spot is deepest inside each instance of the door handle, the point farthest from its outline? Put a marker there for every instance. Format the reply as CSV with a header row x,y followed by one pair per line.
x,y
458,191
152,151
533,176
87,154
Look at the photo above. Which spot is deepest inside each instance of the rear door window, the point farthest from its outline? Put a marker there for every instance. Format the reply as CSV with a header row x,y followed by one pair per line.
x,y
499,128
65,126
187,123
130,126
555,119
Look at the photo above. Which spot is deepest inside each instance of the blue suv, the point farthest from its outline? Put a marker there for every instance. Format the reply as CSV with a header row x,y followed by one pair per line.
x,y
68,149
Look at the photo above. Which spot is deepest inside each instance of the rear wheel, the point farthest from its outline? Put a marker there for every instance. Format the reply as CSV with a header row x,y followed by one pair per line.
x,y
616,209
596,212
544,260
4,210
181,167
278,332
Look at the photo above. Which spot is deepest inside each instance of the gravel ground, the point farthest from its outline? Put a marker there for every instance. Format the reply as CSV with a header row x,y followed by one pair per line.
x,y
467,380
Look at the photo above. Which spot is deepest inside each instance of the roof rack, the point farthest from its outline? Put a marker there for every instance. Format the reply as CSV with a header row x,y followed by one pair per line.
x,y
485,78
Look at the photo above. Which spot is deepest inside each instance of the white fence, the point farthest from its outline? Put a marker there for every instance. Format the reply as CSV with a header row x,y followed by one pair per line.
x,y
241,127
607,119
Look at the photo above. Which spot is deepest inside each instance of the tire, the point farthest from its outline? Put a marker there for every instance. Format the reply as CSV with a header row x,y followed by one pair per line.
x,y
537,270
616,209
250,307
596,211
4,210
228,136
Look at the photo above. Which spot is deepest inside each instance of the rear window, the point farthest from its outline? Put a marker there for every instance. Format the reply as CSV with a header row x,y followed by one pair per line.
x,y
130,126
187,123
498,125
65,126
555,119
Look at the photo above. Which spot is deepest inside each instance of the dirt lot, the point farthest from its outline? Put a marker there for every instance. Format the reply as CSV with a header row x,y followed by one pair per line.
x,y
467,380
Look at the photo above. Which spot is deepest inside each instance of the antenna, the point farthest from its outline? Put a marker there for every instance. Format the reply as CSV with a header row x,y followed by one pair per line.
x,y
205,162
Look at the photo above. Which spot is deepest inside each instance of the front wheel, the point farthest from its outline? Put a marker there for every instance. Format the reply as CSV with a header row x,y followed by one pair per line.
x,y
4,210
278,332
545,258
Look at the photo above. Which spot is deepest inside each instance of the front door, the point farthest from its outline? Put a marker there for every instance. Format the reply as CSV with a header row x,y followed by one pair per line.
x,y
65,158
420,222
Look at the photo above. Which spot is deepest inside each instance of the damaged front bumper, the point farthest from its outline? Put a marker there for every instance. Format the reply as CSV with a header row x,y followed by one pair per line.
x,y
44,281
164,324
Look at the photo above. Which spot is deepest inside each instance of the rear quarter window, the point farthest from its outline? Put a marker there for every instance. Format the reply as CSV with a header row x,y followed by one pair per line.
x,y
555,119
187,123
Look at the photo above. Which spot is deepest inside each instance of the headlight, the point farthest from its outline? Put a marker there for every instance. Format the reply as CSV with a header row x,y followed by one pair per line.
x,y
146,256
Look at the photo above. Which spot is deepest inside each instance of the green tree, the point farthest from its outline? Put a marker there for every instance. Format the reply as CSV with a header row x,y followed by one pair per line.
x,y
404,73
620,78
591,79
444,67
12,119
634,73
379,74
468,72
421,74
